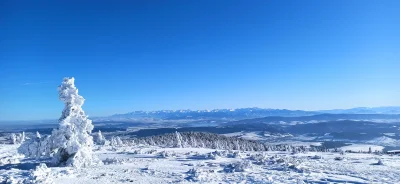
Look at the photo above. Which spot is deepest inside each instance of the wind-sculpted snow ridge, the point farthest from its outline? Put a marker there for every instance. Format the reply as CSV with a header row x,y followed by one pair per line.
x,y
71,144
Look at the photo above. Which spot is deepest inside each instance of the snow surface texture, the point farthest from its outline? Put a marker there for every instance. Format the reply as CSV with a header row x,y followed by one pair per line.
x,y
151,164
71,144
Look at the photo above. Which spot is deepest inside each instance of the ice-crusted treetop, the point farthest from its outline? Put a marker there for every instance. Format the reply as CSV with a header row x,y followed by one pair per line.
x,y
68,93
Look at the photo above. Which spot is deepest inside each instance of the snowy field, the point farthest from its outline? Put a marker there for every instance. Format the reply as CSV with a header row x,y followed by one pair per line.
x,y
187,165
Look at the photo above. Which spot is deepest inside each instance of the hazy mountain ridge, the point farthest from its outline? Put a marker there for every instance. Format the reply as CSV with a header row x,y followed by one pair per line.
x,y
241,113
322,118
366,110
246,113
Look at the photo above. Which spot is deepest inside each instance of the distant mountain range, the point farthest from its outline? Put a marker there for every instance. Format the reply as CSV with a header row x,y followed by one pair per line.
x,y
321,118
365,110
244,113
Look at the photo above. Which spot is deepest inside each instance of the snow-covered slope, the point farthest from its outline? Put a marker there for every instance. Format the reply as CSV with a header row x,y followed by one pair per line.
x,y
385,141
187,165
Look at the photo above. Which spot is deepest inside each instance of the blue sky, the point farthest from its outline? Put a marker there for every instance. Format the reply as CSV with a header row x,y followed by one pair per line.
x,y
151,55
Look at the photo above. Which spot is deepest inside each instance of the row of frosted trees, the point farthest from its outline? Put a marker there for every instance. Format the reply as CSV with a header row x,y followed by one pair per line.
x,y
207,140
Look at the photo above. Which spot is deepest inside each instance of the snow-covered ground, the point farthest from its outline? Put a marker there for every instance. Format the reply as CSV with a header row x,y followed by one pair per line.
x,y
187,165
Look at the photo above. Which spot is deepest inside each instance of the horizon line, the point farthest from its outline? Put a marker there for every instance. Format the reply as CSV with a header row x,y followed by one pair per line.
x,y
51,119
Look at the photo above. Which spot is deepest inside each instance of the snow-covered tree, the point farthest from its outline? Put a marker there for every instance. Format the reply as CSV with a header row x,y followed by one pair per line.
x,y
13,138
116,141
178,140
40,175
36,147
100,139
22,139
71,142
17,138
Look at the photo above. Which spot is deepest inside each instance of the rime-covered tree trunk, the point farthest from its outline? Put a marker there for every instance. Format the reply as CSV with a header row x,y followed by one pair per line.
x,y
72,142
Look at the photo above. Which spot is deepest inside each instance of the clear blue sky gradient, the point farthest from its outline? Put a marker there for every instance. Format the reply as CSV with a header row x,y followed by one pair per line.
x,y
152,55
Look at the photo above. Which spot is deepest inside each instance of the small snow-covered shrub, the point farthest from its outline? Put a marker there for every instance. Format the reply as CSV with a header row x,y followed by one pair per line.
x,y
152,151
135,152
196,175
193,175
99,139
212,164
116,142
237,167
17,138
109,161
10,180
40,175
286,162
215,154
259,158
380,162
316,157
280,160
11,160
192,171
36,147
211,156
295,168
233,154
166,154
300,181
339,158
